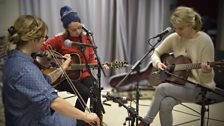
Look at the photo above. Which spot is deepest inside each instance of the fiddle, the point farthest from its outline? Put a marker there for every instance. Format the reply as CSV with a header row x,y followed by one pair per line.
x,y
46,62
51,65
50,62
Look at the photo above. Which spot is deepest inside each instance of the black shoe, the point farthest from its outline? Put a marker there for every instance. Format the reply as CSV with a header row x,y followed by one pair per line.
x,y
143,124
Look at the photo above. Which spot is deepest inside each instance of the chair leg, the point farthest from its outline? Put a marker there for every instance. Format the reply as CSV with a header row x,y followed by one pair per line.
x,y
203,110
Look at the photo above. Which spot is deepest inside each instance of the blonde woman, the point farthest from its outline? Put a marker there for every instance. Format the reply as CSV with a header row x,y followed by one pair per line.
x,y
190,42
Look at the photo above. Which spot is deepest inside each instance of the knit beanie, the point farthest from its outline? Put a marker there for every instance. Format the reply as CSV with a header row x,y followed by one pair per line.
x,y
68,15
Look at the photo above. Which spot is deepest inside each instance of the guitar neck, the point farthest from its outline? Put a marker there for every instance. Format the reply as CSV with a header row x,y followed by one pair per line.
x,y
81,66
193,66
116,64
187,66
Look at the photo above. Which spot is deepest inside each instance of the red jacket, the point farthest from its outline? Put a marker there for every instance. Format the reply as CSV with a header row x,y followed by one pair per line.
x,y
57,43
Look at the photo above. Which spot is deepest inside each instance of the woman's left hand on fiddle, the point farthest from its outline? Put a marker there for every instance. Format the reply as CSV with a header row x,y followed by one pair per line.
x,y
205,68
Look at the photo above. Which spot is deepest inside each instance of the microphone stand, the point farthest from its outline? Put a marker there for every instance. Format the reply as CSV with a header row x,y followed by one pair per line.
x,y
100,67
136,67
94,91
132,113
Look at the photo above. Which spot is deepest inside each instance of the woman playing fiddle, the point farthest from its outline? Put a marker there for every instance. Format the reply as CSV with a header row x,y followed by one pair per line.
x,y
28,97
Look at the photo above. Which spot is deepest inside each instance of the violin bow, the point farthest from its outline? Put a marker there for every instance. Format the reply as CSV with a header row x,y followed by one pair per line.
x,y
55,55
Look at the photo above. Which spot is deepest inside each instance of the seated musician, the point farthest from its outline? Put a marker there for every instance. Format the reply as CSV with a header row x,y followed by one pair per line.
x,y
74,33
192,43
28,97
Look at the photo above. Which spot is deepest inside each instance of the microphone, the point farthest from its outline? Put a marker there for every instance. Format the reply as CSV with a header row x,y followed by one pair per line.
x,y
69,43
166,31
86,29
109,97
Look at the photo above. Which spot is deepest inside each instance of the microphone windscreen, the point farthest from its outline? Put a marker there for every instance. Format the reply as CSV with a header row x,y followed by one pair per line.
x,y
169,29
67,43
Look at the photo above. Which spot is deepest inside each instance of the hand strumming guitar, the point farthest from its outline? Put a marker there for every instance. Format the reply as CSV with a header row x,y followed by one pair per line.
x,y
161,66
67,61
54,75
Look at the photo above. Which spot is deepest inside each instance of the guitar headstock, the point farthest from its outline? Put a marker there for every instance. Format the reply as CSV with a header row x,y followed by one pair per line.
x,y
118,64
218,65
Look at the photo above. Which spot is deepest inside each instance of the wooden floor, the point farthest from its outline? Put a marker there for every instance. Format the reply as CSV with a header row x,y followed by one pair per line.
x,y
116,116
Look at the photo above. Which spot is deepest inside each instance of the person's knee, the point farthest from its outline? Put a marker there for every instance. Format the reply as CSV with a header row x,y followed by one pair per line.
x,y
161,89
167,104
84,93
84,97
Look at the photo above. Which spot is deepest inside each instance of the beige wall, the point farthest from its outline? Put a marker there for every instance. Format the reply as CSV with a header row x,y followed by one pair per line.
x,y
9,11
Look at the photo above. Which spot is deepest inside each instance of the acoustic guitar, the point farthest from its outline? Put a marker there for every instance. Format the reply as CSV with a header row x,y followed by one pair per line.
x,y
75,69
178,69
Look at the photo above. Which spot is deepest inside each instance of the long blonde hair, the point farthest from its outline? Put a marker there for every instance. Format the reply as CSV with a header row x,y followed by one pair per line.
x,y
187,16
25,29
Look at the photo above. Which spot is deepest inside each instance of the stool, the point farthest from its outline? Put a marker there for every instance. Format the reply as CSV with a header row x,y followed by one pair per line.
x,y
215,97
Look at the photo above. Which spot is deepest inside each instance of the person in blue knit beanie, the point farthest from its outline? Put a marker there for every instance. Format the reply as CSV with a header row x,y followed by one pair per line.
x,y
68,15
84,82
